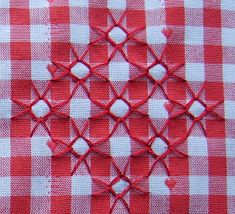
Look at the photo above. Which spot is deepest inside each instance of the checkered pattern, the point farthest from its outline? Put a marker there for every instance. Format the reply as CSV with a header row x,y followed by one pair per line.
x,y
117,106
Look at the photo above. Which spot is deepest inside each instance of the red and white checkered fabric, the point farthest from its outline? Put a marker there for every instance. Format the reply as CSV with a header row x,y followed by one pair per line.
x,y
117,106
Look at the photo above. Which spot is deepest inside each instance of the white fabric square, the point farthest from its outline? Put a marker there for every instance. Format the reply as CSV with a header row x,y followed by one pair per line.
x,y
120,146
228,5
228,36
230,147
229,73
5,69
5,108
40,186
80,108
39,146
117,4
195,71
5,32
194,35
5,186
157,185
231,185
193,4
157,108
40,33
229,106
80,34
38,4
81,185
198,185
5,147
5,4
155,35
154,4
119,71
39,70
197,146
79,3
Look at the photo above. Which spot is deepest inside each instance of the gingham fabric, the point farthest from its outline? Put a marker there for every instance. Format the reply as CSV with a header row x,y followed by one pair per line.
x,y
117,106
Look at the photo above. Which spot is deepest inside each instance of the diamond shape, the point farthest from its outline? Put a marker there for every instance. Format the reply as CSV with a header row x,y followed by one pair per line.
x,y
80,146
40,109
196,109
120,186
159,146
119,108
157,72
117,35
80,70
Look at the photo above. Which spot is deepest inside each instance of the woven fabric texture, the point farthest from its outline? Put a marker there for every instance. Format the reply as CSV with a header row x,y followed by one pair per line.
x,y
117,106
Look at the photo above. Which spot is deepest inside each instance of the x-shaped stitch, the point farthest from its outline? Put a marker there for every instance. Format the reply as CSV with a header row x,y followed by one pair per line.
x,y
171,147
105,35
60,148
186,109
28,108
121,176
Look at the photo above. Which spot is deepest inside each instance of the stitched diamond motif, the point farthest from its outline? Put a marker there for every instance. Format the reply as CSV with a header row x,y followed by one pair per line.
x,y
80,70
119,108
157,72
80,146
117,35
196,109
159,146
120,186
40,109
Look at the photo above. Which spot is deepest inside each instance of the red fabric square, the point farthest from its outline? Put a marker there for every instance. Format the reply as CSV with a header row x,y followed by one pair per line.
x,y
139,166
139,127
99,128
60,127
213,54
100,166
214,91
20,166
175,53
175,16
178,166
215,128
100,204
21,89
60,51
61,163
176,90
137,54
179,204
20,51
138,203
177,128
57,93
60,204
136,18
99,90
59,15
212,17
20,204
20,127
138,90
98,54
98,17
218,204
217,166
19,16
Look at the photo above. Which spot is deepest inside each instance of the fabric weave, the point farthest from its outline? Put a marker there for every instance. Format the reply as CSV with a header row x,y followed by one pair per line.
x,y
117,106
